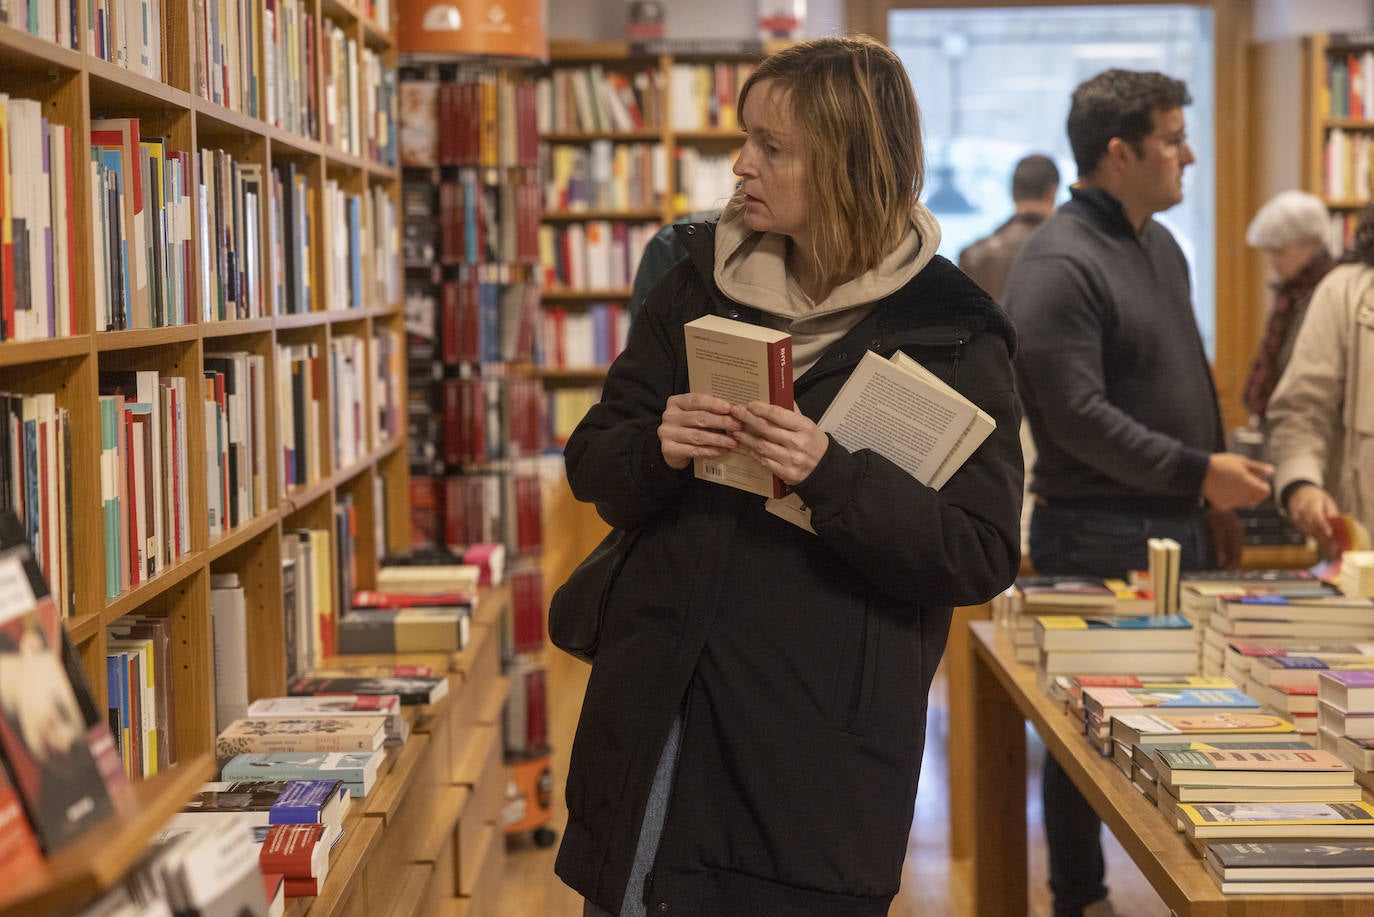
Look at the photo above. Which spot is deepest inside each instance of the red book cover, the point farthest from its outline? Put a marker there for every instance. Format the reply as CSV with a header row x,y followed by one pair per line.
x,y
448,323
21,862
372,598
302,888
134,511
294,851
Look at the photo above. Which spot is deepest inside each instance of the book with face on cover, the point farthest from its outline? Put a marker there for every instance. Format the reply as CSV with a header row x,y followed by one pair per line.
x,y
905,413
739,362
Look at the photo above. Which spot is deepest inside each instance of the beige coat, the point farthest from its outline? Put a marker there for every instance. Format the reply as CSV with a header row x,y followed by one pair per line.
x,y
1321,415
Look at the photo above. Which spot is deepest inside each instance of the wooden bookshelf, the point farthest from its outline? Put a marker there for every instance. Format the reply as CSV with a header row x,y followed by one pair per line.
x,y
74,87
1337,121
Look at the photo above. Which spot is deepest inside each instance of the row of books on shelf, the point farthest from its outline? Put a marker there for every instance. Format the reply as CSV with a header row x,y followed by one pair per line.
x,y
36,484
602,175
487,508
485,419
141,211
470,218
358,116
37,223
123,32
592,255
56,22
593,99
1347,165
1348,91
589,337
144,473
482,318
467,116
277,82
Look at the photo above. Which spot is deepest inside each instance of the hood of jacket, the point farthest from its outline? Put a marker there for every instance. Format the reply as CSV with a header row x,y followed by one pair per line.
x,y
751,268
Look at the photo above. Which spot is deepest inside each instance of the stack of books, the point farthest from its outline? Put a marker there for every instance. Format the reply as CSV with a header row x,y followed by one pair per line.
x,y
1345,716
1200,590
1292,867
1249,774
1357,573
1100,703
1160,645
1014,611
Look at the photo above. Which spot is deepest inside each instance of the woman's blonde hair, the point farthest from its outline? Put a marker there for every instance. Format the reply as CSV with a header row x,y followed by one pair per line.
x,y
852,104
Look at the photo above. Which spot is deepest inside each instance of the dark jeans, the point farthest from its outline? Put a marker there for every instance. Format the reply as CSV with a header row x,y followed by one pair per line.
x,y
1107,544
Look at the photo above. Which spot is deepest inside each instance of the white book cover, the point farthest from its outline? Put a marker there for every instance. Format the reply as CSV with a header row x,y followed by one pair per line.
x,y
905,413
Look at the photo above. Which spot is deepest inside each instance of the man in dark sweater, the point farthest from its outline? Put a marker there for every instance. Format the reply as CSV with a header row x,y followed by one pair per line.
x,y
1118,392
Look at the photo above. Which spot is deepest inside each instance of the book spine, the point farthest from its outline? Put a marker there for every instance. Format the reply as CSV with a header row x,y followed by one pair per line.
x,y
780,391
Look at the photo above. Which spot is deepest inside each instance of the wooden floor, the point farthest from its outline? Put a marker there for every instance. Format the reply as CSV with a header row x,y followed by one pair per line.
x,y
931,885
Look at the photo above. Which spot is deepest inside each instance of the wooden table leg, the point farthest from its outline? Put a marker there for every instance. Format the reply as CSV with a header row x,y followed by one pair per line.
x,y
959,738
998,821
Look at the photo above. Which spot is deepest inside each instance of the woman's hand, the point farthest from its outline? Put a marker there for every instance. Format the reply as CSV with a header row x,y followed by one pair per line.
x,y
696,426
787,443
1311,510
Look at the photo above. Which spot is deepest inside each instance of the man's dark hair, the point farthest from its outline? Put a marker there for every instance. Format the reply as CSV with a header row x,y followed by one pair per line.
x,y
1362,244
1119,103
1034,178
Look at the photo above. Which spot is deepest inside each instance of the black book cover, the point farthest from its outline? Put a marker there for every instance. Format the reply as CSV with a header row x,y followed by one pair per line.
x,y
43,737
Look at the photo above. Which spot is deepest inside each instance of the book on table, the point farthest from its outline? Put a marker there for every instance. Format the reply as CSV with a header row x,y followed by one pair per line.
x,y
1350,691
1142,753
387,705
357,770
740,363
1251,768
1341,723
1107,702
296,851
361,733
268,802
1291,867
1152,663
1245,820
905,413
412,689
1139,633
1206,727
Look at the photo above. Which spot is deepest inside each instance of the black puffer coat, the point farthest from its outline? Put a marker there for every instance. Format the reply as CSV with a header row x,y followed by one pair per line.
x,y
805,660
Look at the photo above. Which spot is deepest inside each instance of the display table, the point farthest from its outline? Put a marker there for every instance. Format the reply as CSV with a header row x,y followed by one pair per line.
x,y
1002,696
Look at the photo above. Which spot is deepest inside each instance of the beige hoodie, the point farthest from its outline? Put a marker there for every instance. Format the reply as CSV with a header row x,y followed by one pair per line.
x,y
751,268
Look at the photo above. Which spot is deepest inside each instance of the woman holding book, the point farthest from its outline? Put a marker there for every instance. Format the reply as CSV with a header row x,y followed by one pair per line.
x,y
754,721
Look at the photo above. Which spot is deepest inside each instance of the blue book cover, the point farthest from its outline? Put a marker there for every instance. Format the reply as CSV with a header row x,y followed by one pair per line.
x,y
357,769
305,801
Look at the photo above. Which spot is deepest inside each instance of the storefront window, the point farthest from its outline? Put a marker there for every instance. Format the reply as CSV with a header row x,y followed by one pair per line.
x,y
994,85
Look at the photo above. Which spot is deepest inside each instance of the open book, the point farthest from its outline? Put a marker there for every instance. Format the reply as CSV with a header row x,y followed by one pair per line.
x,y
905,413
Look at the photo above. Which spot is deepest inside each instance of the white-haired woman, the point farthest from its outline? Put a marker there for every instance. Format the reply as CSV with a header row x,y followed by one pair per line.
x,y
1292,228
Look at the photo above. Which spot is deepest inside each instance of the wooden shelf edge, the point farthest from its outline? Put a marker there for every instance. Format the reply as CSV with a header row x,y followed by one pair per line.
x,y
172,576
413,889
445,809
16,353
135,338
385,799
237,537
104,854
467,770
360,839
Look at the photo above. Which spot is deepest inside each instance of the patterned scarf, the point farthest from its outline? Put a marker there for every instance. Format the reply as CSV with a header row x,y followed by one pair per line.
x,y
1265,371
